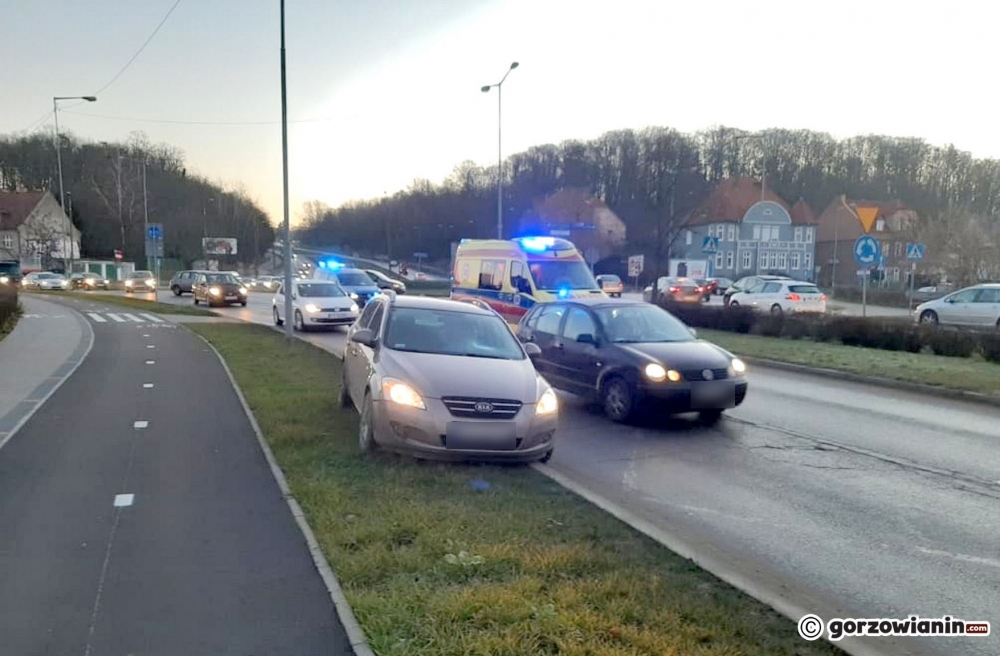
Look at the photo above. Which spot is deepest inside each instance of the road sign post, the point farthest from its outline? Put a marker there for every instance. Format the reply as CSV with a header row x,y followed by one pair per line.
x,y
636,263
914,253
867,253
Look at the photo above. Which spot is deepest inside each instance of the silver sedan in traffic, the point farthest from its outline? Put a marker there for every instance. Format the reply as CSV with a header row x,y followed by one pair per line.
x,y
445,379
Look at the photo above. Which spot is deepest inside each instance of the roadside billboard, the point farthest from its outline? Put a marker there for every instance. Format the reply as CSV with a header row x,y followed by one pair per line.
x,y
689,269
219,245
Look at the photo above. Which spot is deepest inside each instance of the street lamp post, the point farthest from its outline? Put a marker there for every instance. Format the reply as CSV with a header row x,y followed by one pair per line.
x,y
287,287
486,89
62,194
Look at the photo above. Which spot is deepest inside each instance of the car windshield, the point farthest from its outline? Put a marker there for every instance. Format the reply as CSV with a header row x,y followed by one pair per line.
x,y
552,276
418,330
636,324
222,279
47,276
375,275
142,274
355,279
9,267
320,290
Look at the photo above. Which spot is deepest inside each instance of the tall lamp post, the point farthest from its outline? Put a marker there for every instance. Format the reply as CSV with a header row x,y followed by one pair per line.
x,y
486,89
287,287
62,193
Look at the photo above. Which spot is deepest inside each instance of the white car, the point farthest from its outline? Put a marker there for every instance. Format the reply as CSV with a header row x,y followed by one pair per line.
x,y
973,306
46,281
315,304
782,296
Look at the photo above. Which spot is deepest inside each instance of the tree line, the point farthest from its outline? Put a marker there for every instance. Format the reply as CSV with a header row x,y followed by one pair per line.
x,y
653,178
104,193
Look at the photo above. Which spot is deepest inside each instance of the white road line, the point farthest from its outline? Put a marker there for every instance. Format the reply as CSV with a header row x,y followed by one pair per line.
x,y
152,318
140,424
147,385
150,361
96,317
132,317
124,500
150,346
145,335
115,317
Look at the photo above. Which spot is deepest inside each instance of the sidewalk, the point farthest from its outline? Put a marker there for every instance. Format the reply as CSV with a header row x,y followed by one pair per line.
x,y
42,351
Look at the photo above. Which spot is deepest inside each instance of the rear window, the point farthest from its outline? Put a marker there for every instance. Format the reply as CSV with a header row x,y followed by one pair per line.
x,y
804,289
611,279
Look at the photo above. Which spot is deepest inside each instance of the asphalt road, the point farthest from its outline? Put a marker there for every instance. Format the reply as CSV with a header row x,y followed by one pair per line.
x,y
201,557
847,499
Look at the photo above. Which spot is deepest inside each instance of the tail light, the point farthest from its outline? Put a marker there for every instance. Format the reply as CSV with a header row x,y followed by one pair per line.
x,y
697,289
793,297
674,290
822,297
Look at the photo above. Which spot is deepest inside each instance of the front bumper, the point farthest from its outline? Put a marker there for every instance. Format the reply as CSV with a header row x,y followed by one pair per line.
x,y
677,398
425,432
328,319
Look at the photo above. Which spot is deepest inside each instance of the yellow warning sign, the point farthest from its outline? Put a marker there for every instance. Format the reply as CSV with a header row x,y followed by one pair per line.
x,y
867,217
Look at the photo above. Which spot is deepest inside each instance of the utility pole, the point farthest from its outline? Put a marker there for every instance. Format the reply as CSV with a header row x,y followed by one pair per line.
x,y
284,171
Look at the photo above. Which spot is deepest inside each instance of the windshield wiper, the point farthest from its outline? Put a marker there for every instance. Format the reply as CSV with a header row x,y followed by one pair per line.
x,y
480,355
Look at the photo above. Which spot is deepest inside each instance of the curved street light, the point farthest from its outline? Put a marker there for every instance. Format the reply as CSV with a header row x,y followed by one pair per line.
x,y
68,261
486,89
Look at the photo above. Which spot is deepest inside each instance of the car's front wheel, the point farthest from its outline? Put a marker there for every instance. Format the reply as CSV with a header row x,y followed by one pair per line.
x,y
177,290
546,457
196,301
733,304
619,399
277,319
929,316
366,426
299,324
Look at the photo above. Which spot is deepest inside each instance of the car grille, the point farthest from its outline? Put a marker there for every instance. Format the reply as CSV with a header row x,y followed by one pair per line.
x,y
334,309
697,374
464,406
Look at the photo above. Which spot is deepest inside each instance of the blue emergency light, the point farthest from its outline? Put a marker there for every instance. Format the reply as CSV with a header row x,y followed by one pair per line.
x,y
537,244
563,292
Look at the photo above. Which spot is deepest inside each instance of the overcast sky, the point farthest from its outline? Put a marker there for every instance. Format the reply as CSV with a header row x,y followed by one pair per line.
x,y
386,91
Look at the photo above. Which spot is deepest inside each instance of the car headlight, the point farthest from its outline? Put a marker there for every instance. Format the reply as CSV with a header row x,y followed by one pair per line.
x,y
151,282
214,291
547,403
354,296
64,283
4,280
105,282
403,394
243,290
739,366
312,307
354,308
655,372
128,283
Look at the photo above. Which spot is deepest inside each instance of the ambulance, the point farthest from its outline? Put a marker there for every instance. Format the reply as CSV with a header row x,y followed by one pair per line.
x,y
511,276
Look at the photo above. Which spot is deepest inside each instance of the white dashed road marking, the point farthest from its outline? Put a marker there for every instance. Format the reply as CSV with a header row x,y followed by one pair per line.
x,y
145,335
96,317
150,361
140,424
147,385
124,500
116,317
152,318
132,317
150,346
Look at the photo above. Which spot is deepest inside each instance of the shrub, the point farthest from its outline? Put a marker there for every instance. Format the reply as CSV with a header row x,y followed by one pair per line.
x,y
770,325
953,343
799,327
8,302
989,344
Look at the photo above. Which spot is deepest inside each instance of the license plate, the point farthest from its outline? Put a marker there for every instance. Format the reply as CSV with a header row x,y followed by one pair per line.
x,y
231,298
714,394
481,435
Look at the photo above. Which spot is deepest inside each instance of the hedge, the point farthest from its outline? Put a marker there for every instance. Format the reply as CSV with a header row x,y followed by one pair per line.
x,y
885,333
8,303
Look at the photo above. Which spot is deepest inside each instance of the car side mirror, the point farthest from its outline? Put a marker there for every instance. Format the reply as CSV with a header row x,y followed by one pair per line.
x,y
694,333
295,296
586,338
533,350
365,337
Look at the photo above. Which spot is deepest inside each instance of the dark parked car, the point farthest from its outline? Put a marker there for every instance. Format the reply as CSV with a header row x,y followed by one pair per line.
x,y
87,281
385,282
219,289
183,281
631,356
674,290
10,272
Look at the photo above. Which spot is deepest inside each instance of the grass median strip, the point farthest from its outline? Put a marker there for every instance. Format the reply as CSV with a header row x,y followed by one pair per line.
x,y
440,559
969,374
137,303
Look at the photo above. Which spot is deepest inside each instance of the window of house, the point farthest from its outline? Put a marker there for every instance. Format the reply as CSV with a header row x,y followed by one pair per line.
x,y
894,274
880,225
687,237
8,241
730,256
809,235
718,259
747,259
797,235
756,233
775,233
782,260
807,262
765,233
899,249
796,260
732,233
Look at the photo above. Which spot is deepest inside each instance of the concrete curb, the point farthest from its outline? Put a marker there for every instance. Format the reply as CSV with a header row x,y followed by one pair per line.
x,y
75,359
710,564
920,388
355,635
